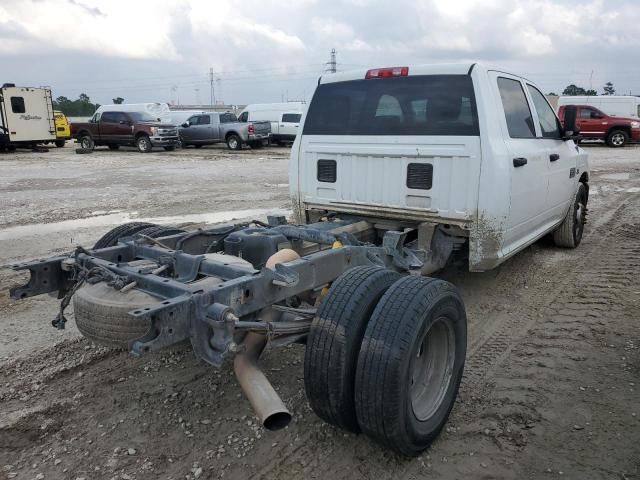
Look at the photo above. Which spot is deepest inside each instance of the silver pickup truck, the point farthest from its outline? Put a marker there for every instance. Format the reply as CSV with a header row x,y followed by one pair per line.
x,y
207,128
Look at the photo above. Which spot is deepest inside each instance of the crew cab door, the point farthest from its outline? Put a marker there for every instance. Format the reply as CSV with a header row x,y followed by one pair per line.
x,y
528,163
115,128
561,156
591,122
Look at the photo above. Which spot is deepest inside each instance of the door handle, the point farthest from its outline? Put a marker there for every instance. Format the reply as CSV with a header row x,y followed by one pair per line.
x,y
553,157
519,162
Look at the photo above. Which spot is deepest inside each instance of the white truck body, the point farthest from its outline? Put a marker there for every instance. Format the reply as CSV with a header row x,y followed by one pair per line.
x,y
617,105
156,110
26,115
284,117
467,160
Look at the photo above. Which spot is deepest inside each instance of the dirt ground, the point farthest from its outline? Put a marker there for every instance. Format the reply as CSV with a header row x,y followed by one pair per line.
x,y
550,387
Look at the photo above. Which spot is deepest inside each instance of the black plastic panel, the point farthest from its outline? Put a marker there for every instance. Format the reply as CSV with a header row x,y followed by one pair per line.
x,y
327,171
420,176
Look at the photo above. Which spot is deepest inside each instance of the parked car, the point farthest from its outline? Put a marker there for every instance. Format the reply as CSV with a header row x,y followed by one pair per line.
x,y
115,129
595,124
284,117
63,129
208,128
615,105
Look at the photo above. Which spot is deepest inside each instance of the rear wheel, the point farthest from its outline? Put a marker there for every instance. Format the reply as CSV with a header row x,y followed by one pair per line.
x,y
143,142
410,363
569,233
334,342
617,138
234,142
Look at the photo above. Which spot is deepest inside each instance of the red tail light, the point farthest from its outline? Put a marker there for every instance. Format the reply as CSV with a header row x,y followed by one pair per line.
x,y
387,72
251,128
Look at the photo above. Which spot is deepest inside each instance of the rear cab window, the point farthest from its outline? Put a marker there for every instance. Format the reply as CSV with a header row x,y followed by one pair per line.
x,y
411,105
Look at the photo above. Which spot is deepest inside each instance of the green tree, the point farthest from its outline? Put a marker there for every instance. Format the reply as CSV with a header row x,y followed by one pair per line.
x,y
552,94
608,89
574,90
82,107
118,101
591,92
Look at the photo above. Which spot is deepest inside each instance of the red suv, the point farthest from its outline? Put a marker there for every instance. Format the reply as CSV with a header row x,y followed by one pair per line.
x,y
593,123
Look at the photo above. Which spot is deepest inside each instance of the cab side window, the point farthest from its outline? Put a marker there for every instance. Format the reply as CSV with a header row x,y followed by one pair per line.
x,y
204,120
244,117
109,117
549,125
193,120
516,109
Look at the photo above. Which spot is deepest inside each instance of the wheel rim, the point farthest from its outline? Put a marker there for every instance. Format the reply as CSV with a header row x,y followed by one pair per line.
x,y
432,369
617,139
142,143
86,143
233,143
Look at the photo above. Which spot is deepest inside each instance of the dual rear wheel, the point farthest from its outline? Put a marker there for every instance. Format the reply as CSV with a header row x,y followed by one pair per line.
x,y
385,356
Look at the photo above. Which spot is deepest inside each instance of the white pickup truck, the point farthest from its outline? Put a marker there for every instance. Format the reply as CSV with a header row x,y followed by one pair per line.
x,y
396,169
468,155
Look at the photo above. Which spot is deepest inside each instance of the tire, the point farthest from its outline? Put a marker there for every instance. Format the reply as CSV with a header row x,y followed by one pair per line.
x,y
170,148
86,142
569,233
256,145
144,144
82,151
234,142
334,342
60,143
401,401
101,314
113,146
617,138
110,239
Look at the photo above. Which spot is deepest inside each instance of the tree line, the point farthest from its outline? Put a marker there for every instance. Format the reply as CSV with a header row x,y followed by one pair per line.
x,y
81,107
576,90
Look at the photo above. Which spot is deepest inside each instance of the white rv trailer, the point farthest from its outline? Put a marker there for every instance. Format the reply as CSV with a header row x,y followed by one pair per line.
x,y
616,105
26,116
157,110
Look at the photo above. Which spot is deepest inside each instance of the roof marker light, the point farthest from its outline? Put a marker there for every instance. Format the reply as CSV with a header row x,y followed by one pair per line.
x,y
387,72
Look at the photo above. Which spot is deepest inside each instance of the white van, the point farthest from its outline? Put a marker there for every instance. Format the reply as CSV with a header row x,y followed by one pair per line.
x,y
616,105
156,110
284,117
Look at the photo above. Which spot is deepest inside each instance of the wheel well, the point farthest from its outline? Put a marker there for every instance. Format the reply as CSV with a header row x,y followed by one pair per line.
x,y
584,179
140,134
82,133
624,128
231,133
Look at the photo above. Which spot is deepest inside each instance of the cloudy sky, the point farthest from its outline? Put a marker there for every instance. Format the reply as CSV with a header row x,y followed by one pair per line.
x,y
263,50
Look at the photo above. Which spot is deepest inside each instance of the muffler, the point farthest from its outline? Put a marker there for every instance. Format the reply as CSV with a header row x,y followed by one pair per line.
x,y
263,398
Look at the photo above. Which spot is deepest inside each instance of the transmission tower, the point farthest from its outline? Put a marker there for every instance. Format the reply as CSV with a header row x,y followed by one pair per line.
x,y
332,64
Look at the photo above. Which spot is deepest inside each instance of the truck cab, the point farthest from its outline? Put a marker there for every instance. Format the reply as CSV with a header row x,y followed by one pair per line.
x,y
595,124
473,153
207,128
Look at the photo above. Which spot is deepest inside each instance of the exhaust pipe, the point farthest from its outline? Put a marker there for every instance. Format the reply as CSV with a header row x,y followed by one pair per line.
x,y
263,398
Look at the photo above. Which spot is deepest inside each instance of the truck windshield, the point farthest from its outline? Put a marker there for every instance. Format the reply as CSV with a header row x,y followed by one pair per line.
x,y
414,105
142,117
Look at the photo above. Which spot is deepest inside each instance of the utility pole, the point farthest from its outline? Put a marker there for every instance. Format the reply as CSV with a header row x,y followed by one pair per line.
x,y
591,80
213,97
332,64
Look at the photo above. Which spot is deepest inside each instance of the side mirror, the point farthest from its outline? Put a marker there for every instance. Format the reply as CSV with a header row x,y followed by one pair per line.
x,y
185,125
122,122
570,128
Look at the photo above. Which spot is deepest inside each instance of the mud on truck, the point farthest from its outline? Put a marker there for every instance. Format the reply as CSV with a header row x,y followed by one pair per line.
x,y
396,171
